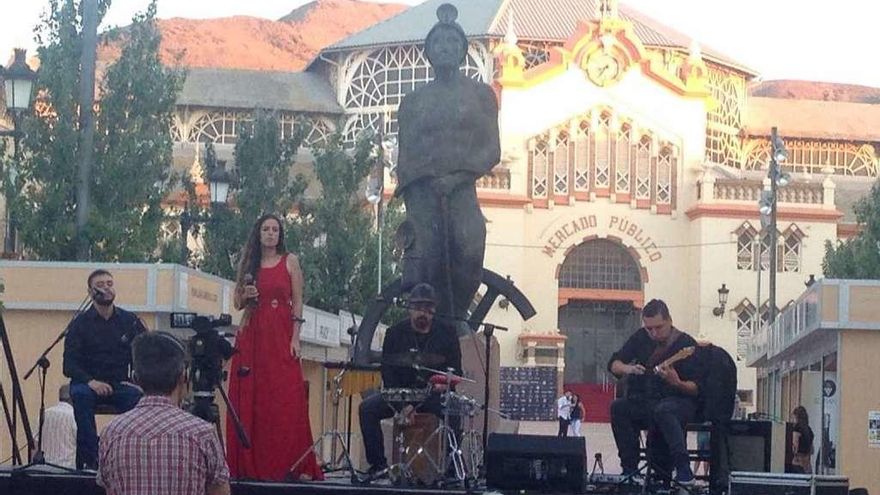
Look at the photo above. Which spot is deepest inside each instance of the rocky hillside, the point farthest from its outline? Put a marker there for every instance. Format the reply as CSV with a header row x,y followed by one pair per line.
x,y
252,43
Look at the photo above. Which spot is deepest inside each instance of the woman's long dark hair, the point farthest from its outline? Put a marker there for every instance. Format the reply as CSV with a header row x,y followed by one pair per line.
x,y
800,416
252,252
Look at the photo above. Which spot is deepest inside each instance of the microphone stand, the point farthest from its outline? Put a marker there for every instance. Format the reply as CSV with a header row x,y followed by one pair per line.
x,y
43,364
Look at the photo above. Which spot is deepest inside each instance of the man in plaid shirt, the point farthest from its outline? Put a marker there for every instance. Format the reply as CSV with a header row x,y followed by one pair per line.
x,y
157,448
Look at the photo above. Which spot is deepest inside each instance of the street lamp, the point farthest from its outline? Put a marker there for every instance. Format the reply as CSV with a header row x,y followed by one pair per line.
x,y
722,300
18,82
387,154
218,181
767,206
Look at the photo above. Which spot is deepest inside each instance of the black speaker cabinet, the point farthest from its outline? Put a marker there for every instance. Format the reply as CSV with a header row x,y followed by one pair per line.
x,y
535,462
757,446
787,484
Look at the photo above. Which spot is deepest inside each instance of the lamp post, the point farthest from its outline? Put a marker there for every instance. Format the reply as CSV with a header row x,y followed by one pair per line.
x,y
722,301
18,82
376,188
768,208
218,187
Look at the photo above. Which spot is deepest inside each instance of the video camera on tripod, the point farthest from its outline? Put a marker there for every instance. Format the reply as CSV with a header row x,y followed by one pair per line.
x,y
208,349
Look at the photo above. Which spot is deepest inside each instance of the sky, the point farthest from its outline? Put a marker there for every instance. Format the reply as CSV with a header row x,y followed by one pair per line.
x,y
781,39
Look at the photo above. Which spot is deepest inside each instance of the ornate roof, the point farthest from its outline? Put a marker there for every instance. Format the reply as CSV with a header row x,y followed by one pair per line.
x,y
546,20
247,89
813,119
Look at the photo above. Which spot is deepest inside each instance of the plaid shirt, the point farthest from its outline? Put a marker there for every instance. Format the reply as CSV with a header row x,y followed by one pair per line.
x,y
157,448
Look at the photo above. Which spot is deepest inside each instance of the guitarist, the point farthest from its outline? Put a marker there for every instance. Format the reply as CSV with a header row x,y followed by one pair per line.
x,y
661,396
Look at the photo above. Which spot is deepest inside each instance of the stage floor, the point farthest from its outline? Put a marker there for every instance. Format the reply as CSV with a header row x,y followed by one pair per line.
x,y
39,480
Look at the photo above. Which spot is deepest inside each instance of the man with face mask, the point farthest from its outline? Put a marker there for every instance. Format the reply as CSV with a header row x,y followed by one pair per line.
x,y
97,357
448,139
421,335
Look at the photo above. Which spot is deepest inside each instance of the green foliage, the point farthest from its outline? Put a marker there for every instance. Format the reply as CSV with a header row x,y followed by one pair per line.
x,y
132,156
265,185
859,257
337,229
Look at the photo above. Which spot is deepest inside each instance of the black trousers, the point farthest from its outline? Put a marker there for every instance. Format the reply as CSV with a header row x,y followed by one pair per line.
x,y
563,427
665,419
374,409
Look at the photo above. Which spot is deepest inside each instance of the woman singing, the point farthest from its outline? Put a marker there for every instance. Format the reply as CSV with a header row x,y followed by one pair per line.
x,y
265,378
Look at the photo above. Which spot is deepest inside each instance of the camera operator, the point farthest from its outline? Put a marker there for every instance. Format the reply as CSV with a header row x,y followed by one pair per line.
x,y
97,356
183,452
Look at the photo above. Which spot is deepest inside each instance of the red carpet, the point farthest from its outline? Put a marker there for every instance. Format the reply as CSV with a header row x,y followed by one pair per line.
x,y
596,398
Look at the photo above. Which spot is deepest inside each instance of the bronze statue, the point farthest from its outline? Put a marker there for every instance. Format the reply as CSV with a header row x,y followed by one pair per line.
x,y
448,139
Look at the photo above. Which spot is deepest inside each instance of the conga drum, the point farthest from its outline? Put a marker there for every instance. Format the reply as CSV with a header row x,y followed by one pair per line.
x,y
416,445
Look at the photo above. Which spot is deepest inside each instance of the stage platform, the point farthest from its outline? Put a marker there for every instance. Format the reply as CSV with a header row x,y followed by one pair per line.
x,y
39,480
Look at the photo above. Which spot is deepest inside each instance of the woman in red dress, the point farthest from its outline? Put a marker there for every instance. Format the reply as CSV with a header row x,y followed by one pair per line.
x,y
265,377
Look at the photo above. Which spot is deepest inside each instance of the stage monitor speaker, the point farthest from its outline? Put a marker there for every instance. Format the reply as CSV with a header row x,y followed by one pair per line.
x,y
544,463
757,446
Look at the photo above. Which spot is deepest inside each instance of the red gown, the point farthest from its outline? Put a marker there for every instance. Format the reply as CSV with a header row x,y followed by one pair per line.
x,y
270,398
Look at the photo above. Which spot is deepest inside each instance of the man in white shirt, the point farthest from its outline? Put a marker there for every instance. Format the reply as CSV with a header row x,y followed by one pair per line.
x,y
563,410
58,438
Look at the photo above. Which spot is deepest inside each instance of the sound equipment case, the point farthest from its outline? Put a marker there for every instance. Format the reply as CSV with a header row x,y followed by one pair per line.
x,y
751,483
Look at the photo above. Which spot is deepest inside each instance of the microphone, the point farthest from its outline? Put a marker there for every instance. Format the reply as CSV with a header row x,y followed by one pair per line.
x,y
249,280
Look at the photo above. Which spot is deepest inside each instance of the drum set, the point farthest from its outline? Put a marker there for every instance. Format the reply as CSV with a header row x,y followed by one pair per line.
x,y
427,449
430,450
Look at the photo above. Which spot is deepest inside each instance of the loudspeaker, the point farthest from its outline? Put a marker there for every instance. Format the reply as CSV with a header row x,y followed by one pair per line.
x,y
757,446
535,462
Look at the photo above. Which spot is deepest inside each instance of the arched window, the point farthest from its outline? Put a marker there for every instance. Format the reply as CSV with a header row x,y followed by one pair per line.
x,y
601,154
600,264
745,247
745,326
791,249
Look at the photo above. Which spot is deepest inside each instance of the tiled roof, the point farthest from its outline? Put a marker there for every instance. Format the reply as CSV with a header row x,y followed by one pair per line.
x,y
232,88
548,20
813,119
413,24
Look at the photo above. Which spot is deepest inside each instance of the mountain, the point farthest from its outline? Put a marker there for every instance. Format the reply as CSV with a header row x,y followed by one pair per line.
x,y
813,90
243,42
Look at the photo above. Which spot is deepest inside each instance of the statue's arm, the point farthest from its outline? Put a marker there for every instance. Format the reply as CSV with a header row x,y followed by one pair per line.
x,y
489,154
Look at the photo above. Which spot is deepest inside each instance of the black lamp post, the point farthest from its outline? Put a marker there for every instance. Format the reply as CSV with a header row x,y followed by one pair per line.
x,y
219,181
722,301
18,82
767,207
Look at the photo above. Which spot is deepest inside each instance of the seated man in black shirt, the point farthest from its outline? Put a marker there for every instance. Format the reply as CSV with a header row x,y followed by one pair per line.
x,y
97,355
424,335
661,399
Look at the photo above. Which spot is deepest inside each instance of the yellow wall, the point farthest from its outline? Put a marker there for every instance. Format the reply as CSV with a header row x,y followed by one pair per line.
x,y
859,393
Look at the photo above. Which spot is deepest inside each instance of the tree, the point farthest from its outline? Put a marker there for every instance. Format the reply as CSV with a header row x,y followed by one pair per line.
x,y
858,257
265,185
133,147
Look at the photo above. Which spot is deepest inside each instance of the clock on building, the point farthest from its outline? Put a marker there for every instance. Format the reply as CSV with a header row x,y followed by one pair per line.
x,y
603,68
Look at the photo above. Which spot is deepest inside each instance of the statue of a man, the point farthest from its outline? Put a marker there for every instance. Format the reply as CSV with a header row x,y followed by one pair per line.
x,y
448,139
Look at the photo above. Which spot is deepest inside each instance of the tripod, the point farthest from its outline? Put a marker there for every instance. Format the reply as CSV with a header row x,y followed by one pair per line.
x,y
17,401
343,461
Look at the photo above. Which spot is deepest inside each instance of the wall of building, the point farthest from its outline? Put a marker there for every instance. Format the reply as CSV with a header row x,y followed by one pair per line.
x,y
859,393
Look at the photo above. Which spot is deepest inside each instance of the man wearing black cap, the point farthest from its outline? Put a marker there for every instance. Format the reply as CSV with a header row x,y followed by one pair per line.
x,y
422,336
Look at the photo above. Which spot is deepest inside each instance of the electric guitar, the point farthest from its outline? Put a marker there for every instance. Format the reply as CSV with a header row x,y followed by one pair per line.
x,y
647,384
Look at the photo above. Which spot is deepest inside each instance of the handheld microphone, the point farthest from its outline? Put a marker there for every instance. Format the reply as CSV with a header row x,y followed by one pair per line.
x,y
249,280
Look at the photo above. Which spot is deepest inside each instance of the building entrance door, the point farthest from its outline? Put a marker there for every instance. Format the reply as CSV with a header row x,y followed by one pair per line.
x,y
595,329
599,283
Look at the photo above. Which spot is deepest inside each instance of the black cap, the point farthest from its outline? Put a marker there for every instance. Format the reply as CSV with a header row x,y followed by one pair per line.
x,y
423,293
